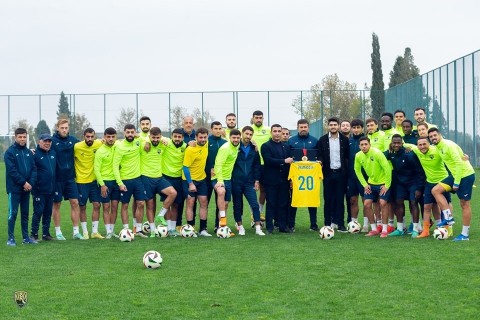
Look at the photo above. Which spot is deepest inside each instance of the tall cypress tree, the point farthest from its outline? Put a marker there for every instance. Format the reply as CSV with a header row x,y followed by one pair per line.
x,y
404,69
377,93
63,108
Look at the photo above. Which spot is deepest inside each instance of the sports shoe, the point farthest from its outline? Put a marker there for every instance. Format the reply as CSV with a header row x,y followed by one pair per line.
x,y
109,235
77,236
11,243
204,233
141,234
259,232
414,234
178,228
424,234
60,236
390,229
262,217
383,234
152,235
241,230
97,235
160,220
342,229
232,234
223,221
34,236
396,233
379,228
29,241
410,228
461,237
444,223
314,228
173,233
47,237
372,233
85,236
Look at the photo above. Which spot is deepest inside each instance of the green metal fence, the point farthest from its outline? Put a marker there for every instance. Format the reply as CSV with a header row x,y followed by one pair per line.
x,y
450,95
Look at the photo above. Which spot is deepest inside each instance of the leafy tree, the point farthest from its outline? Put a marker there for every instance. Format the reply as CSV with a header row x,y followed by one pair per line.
x,y
127,116
176,117
63,108
41,128
332,97
80,124
377,93
202,120
404,69
23,123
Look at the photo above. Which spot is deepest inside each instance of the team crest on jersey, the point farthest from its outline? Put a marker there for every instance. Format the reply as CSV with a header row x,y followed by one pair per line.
x,y
137,143
371,158
264,131
20,298
159,151
432,156
375,139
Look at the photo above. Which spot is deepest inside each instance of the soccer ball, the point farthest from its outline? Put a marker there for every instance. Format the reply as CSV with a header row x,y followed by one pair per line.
x,y
354,227
187,231
126,235
224,232
152,259
326,233
161,231
146,227
440,233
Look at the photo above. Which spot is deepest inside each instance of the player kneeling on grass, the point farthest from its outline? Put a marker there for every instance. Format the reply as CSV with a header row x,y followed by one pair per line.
x,y
153,182
407,180
379,174
245,181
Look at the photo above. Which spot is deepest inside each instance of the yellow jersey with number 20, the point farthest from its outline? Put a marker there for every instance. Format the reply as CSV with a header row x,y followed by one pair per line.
x,y
306,177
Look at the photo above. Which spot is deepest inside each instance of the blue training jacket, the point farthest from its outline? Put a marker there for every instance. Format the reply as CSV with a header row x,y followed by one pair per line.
x,y
20,168
63,148
46,166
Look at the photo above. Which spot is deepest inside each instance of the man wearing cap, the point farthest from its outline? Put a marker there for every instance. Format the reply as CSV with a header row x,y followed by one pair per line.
x,y
45,160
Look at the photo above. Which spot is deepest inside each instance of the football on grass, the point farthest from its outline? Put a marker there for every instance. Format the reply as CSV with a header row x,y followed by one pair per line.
x,y
152,259
326,233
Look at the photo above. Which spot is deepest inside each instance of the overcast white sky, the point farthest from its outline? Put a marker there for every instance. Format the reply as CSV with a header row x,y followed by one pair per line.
x,y
149,46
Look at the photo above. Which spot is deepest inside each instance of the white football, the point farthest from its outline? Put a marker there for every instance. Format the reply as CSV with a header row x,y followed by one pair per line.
x,y
354,227
152,259
440,233
187,231
326,233
224,232
126,235
161,231
146,227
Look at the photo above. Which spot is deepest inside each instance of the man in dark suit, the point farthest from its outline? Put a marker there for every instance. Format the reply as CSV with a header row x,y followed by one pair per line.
x,y
333,151
277,159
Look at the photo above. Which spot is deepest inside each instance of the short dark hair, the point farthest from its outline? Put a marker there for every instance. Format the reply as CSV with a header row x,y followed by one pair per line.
x,y
356,123
257,113
177,131
201,131
433,129
109,131
371,120
333,119
302,121
128,126
88,130
423,138
420,108
235,132
408,121
20,131
399,111
276,125
363,138
396,135
387,114
345,121
247,128
231,114
144,118
155,131
215,123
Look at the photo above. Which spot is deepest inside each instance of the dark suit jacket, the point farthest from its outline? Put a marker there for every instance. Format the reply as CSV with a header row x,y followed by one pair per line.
x,y
323,146
275,169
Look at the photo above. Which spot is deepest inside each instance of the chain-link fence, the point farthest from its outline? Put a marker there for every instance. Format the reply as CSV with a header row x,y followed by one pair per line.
x,y
450,95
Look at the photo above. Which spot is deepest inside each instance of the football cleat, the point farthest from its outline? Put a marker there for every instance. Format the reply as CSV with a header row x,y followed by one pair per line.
x,y
461,237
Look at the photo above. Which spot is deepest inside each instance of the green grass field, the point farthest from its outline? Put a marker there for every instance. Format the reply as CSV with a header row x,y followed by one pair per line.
x,y
283,276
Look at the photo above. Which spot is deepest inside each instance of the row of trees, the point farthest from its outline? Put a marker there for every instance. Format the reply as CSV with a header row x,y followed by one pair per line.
x,y
340,98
